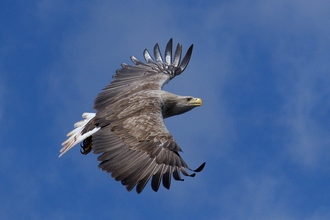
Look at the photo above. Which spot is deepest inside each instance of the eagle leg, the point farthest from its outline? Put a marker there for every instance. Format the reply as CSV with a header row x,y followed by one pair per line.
x,y
86,146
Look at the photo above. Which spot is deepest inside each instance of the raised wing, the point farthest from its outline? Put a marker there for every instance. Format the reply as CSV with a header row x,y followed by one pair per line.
x,y
150,75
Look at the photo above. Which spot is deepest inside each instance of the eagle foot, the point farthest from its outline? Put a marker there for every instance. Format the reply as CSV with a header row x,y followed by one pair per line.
x,y
86,146
85,150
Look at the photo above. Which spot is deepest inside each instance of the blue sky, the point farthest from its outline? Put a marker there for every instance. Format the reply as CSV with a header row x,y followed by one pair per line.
x,y
261,67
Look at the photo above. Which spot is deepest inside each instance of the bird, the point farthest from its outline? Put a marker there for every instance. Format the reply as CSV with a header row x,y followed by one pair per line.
x,y
128,130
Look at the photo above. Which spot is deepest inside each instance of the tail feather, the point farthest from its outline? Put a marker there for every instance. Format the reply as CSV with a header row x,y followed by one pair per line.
x,y
75,135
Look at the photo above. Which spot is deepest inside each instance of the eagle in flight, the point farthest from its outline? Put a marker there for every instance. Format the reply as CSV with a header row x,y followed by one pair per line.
x,y
128,127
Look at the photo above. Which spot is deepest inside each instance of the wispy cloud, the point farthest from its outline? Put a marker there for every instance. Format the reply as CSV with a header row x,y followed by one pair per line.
x,y
305,114
293,41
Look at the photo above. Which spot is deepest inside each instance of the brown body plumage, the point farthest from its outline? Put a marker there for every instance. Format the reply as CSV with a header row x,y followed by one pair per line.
x,y
128,129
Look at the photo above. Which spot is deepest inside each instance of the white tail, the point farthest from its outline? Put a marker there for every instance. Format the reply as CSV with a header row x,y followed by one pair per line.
x,y
75,135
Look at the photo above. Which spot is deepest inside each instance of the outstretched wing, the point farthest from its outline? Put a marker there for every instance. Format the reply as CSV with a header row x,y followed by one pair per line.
x,y
137,147
144,76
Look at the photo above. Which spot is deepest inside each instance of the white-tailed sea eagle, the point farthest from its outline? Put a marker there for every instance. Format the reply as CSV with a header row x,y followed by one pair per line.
x,y
128,127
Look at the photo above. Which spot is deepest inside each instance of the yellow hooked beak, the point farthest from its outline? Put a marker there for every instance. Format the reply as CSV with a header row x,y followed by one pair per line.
x,y
196,102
